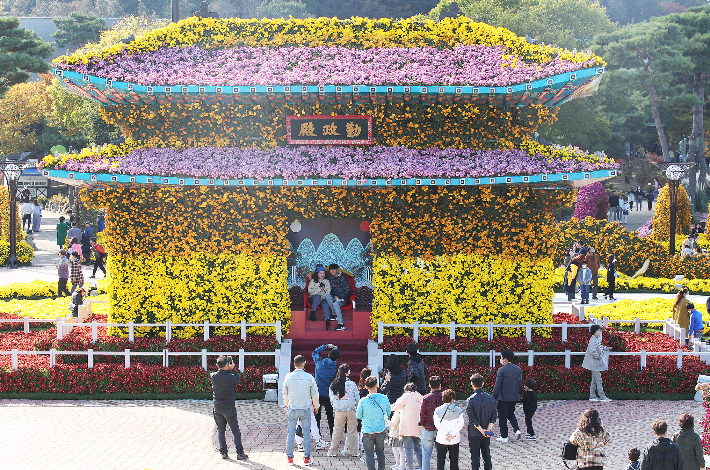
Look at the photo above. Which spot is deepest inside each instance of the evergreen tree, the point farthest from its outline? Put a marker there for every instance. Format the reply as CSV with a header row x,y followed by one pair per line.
x,y
21,52
78,30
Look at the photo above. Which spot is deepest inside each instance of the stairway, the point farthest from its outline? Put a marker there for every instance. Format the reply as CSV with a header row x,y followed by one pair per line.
x,y
307,335
352,352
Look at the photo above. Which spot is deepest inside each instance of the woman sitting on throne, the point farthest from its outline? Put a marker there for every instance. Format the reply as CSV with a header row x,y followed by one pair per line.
x,y
319,293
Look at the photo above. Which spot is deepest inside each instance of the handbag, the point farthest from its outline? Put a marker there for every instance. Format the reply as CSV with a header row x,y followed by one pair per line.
x,y
387,418
569,452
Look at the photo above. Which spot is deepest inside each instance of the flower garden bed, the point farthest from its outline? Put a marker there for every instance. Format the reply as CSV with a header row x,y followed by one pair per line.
x,y
649,309
641,284
146,374
660,376
471,65
331,162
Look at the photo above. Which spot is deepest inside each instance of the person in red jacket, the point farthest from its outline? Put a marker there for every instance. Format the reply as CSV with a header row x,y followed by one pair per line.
x,y
99,257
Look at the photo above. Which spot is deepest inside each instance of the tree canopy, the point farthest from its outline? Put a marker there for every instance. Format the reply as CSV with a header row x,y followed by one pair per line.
x,y
78,29
21,52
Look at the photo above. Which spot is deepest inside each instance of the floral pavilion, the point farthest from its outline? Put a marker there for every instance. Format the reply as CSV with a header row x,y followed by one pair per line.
x,y
403,151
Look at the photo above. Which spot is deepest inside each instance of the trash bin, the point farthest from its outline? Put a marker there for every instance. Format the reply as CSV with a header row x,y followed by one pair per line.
x,y
270,384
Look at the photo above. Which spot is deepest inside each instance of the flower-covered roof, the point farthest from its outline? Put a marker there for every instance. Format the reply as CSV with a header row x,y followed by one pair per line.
x,y
316,59
314,166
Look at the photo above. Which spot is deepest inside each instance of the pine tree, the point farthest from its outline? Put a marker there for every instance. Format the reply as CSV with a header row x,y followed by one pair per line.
x,y
21,53
78,30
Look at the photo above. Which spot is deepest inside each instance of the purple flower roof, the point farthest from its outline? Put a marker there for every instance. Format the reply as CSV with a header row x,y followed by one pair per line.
x,y
474,65
334,162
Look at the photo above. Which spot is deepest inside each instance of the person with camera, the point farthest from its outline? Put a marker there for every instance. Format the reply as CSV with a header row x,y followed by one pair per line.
x,y
224,409
319,294
326,370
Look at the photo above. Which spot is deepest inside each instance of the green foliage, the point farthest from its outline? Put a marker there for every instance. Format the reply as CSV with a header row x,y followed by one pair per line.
x,y
284,9
564,23
635,11
80,117
128,26
21,53
369,8
78,29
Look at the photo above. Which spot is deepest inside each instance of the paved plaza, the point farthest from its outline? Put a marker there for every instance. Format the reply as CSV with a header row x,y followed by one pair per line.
x,y
177,435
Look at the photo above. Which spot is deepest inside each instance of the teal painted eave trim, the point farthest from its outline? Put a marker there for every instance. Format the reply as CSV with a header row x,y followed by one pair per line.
x,y
550,91
120,179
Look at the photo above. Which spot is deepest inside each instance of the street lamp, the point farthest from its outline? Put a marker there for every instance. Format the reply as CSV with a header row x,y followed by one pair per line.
x,y
675,172
12,172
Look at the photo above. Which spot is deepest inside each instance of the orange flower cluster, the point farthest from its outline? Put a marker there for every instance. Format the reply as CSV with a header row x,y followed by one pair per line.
x,y
197,124
406,222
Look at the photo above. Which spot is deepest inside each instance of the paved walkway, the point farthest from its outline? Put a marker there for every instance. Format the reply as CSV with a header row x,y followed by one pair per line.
x,y
46,253
176,435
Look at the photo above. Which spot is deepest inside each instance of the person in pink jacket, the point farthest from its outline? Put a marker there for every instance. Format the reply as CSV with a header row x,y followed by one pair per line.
x,y
410,404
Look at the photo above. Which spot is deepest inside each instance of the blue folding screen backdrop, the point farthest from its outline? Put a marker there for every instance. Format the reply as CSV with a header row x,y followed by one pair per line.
x,y
345,242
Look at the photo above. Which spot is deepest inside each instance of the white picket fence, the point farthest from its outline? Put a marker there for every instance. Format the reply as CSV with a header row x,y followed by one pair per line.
x,y
700,349
65,325
127,354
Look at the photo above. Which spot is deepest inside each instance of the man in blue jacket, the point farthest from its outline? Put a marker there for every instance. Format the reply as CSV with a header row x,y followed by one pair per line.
x,y
326,369
509,381
696,327
481,411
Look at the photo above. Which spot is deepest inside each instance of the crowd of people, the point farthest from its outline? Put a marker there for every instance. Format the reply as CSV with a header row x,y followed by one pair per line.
x,y
582,269
82,245
621,203
400,414
329,291
690,244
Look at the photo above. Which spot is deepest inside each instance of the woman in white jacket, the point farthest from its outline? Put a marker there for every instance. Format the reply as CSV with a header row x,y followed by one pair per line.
x,y
344,398
448,419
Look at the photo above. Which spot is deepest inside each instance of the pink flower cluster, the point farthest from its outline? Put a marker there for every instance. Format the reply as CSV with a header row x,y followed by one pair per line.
x,y
475,65
331,162
592,201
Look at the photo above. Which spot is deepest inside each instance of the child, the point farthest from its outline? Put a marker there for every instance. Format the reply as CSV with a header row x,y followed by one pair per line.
x,y
529,406
634,455
396,441
585,279
75,247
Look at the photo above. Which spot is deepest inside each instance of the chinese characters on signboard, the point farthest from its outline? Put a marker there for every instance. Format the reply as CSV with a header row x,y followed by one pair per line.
x,y
329,130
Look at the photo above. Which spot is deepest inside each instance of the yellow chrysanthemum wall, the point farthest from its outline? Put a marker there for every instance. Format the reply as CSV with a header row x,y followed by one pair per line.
x,y
468,289
662,217
195,254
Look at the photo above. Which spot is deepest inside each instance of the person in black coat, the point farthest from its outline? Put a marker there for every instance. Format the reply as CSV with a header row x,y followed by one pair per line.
x,y
610,277
416,368
395,379
663,454
509,381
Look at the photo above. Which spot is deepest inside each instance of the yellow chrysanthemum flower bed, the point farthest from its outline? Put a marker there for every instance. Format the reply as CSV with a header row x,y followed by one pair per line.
x,y
624,283
357,33
37,289
49,308
652,309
